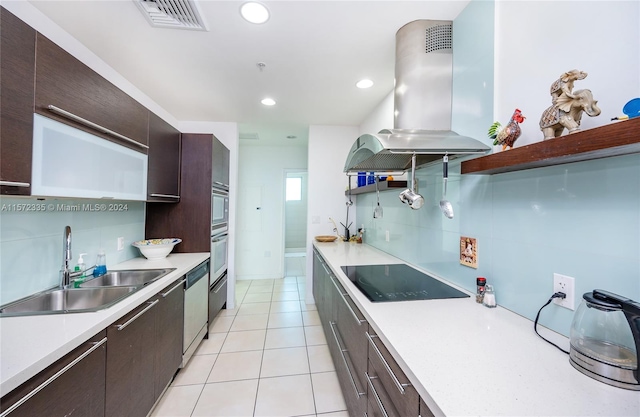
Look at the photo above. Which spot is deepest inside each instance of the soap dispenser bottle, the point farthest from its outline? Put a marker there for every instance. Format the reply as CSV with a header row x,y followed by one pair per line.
x,y
80,268
101,264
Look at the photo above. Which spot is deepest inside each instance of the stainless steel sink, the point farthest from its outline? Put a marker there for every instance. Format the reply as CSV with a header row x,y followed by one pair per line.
x,y
76,300
127,278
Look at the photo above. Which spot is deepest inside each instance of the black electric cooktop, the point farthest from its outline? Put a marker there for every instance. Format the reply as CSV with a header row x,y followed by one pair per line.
x,y
398,282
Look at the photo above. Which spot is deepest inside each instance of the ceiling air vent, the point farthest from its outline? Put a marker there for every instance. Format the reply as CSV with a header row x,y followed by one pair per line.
x,y
176,14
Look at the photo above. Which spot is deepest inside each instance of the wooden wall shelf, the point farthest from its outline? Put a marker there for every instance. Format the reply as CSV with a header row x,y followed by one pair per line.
x,y
620,138
382,186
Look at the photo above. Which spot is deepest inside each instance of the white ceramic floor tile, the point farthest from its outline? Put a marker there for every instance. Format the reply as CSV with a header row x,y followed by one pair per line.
x,y
196,371
225,312
260,289
254,308
258,297
286,296
314,335
319,359
249,322
285,306
279,320
211,345
285,396
311,318
263,282
244,341
290,280
236,366
284,338
221,324
326,392
178,401
227,399
281,362
285,286
301,279
337,414
307,307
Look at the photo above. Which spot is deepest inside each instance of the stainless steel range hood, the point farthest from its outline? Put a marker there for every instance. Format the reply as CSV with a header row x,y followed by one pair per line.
x,y
422,101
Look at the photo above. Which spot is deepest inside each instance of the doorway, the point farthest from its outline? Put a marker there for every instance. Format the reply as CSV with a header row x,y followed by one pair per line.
x,y
295,223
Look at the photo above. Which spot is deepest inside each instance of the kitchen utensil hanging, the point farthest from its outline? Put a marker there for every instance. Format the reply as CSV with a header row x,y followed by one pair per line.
x,y
377,212
410,196
445,205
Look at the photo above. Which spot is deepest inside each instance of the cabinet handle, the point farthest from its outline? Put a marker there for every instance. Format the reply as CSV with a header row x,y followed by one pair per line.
x,y
353,313
55,376
353,381
15,184
132,319
164,195
386,365
220,286
375,394
178,285
93,125
221,184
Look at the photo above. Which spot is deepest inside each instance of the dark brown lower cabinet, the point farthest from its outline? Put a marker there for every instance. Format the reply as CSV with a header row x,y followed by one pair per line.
x,y
217,297
169,331
130,363
74,385
425,411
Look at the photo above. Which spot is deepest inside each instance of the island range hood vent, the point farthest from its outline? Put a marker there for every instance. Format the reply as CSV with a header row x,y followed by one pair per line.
x,y
175,14
422,106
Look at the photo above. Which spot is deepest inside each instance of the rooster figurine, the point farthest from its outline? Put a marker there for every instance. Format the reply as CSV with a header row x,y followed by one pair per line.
x,y
507,136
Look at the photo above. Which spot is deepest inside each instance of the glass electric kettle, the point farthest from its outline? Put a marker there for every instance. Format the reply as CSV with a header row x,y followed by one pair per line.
x,y
605,339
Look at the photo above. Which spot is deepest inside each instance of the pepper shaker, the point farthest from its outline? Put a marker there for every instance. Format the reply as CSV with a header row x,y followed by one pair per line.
x,y
480,283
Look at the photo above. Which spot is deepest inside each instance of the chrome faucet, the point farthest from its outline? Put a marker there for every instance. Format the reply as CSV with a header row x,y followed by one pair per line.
x,y
65,272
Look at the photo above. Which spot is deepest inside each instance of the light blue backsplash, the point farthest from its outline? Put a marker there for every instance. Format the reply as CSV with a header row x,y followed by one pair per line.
x,y
580,219
31,242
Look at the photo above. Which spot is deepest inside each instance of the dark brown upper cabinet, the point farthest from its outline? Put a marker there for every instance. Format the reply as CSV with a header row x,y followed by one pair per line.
x,y
68,84
17,49
163,180
220,164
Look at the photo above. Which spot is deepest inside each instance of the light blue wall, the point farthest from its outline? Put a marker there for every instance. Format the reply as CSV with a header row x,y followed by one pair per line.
x,y
31,242
580,219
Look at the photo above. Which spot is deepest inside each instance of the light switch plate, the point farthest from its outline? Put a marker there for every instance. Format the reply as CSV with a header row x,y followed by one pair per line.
x,y
120,243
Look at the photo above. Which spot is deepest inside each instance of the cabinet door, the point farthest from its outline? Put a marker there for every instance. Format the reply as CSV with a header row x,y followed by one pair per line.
x,y
220,173
169,330
65,82
18,44
217,297
78,390
190,219
164,161
130,363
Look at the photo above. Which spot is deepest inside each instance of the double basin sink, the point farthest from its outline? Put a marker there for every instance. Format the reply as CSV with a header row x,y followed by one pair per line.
x,y
94,294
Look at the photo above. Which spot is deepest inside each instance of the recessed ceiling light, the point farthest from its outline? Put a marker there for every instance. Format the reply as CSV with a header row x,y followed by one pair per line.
x,y
254,12
268,101
364,83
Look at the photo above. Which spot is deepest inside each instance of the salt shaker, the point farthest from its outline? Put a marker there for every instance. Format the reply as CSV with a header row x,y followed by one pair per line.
x,y
489,299
480,282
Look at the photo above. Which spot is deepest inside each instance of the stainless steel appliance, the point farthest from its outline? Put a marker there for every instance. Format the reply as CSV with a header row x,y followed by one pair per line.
x,y
219,207
398,282
196,299
605,339
219,253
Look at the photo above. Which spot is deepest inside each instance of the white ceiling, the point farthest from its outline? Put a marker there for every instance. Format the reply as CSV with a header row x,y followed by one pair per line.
x,y
314,51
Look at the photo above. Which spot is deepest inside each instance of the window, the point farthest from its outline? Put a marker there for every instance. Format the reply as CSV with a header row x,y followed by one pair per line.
x,y
294,189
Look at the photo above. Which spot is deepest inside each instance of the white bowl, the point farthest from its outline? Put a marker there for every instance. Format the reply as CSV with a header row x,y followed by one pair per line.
x,y
156,248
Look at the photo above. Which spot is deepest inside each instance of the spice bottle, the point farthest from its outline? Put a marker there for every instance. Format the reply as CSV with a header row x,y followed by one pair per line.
x,y
480,283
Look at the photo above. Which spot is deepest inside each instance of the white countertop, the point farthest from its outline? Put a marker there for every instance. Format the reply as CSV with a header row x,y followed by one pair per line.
x,y
29,344
468,360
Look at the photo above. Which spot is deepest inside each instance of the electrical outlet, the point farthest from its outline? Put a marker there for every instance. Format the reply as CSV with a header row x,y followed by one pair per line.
x,y
386,236
565,284
120,243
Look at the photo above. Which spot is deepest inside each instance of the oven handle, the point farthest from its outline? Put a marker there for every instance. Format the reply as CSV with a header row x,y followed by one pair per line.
x,y
220,237
220,285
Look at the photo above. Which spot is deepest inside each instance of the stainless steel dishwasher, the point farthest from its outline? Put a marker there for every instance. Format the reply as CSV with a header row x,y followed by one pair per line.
x,y
196,298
